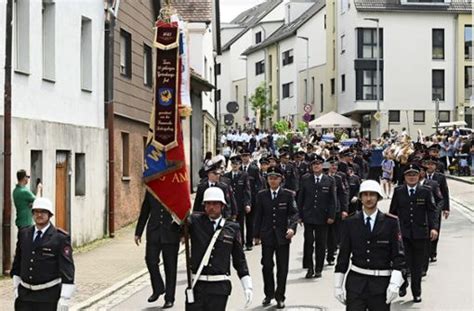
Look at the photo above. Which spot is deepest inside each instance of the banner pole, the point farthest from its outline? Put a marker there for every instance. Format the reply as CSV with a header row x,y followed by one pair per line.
x,y
189,290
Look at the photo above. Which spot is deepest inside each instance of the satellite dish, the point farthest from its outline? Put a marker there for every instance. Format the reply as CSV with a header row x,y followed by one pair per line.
x,y
232,107
229,119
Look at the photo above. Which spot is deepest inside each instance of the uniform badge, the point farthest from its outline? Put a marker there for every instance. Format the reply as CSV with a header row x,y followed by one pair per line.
x,y
67,250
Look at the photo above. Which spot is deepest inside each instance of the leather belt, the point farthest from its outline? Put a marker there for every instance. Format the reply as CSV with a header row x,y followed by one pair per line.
x,y
371,272
212,278
41,286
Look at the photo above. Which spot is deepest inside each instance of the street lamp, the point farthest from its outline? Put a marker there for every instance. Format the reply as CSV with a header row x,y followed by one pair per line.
x,y
307,67
377,72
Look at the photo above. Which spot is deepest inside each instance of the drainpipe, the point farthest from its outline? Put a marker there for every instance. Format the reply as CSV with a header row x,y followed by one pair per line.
x,y
7,149
109,103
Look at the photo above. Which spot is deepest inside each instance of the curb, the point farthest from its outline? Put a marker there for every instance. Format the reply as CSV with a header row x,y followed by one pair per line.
x,y
112,289
464,180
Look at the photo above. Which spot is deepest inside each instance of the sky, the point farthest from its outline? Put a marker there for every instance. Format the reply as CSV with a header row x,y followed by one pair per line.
x,y
232,8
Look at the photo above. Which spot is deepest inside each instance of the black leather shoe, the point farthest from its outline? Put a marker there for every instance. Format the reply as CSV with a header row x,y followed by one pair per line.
x,y
424,273
309,274
330,262
417,299
168,304
154,297
318,275
266,301
280,305
402,292
248,248
433,259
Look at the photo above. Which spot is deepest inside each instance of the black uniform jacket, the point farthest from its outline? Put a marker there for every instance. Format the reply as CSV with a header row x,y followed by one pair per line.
x,y
417,214
49,260
160,228
253,176
438,196
443,186
228,245
274,217
317,202
381,249
241,188
231,207
290,177
342,191
302,168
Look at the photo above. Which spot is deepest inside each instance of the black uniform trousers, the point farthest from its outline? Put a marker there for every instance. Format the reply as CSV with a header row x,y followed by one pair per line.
x,y
433,250
415,251
366,301
170,262
21,305
334,237
205,298
315,237
246,219
282,254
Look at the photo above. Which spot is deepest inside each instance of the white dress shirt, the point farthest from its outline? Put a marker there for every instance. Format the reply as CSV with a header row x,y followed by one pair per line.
x,y
42,230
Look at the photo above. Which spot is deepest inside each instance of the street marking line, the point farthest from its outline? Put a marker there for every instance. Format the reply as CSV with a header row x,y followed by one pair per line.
x,y
465,211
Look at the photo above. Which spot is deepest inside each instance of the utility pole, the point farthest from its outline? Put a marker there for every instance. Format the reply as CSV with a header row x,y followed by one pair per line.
x,y
7,143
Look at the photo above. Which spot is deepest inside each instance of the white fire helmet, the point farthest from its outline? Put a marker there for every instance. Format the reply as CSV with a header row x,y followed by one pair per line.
x,y
371,186
44,204
214,194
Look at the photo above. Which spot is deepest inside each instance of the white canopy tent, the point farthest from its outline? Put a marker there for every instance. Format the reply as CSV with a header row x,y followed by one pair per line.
x,y
333,120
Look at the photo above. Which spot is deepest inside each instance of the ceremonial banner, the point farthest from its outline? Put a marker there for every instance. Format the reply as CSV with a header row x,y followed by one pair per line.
x,y
165,174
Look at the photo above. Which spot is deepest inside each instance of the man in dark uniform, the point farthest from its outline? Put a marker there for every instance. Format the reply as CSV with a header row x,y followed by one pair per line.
x,y
438,197
211,270
43,267
432,174
289,172
275,225
262,180
213,180
416,209
342,207
309,152
354,184
301,166
372,241
317,210
239,181
162,236
433,151
252,170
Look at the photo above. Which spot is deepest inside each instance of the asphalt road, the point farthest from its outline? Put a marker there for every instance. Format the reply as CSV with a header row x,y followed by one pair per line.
x,y
448,286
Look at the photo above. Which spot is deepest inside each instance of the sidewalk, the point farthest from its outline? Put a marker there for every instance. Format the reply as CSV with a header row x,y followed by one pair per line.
x,y
97,269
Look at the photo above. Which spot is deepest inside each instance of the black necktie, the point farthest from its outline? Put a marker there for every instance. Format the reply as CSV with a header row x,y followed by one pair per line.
x,y
317,179
245,168
367,224
412,192
213,224
211,185
430,177
274,195
37,240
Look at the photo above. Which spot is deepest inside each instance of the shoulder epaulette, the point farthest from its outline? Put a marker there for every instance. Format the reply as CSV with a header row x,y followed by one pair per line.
x,y
391,215
290,191
63,231
263,190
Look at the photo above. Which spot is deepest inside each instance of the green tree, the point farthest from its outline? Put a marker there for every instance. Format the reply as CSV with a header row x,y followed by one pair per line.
x,y
258,101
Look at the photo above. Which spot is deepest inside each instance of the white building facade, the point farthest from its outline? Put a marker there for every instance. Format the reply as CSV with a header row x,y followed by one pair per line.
x,y
58,132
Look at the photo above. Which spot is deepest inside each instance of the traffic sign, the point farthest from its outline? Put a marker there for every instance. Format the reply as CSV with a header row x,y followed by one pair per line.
x,y
308,108
307,117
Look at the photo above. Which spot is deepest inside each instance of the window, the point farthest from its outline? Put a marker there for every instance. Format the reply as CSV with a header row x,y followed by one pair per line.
x,y
394,116
80,174
321,87
270,69
468,42
258,37
86,54
343,47
467,82
287,57
22,36
205,68
147,65
313,90
324,21
438,43
125,155
306,97
333,86
444,116
218,69
270,94
438,84
343,83
287,90
125,54
49,42
366,85
259,67
237,93
218,95
419,116
367,43
36,169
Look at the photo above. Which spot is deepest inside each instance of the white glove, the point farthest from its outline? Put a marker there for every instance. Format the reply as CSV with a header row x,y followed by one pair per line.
x,y
16,283
396,280
338,290
63,304
248,289
354,200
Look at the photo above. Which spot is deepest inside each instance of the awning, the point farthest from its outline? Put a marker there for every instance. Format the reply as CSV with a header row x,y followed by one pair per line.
x,y
333,120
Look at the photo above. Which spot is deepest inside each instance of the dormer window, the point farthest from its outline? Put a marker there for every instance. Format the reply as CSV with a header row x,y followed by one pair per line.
x,y
258,37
